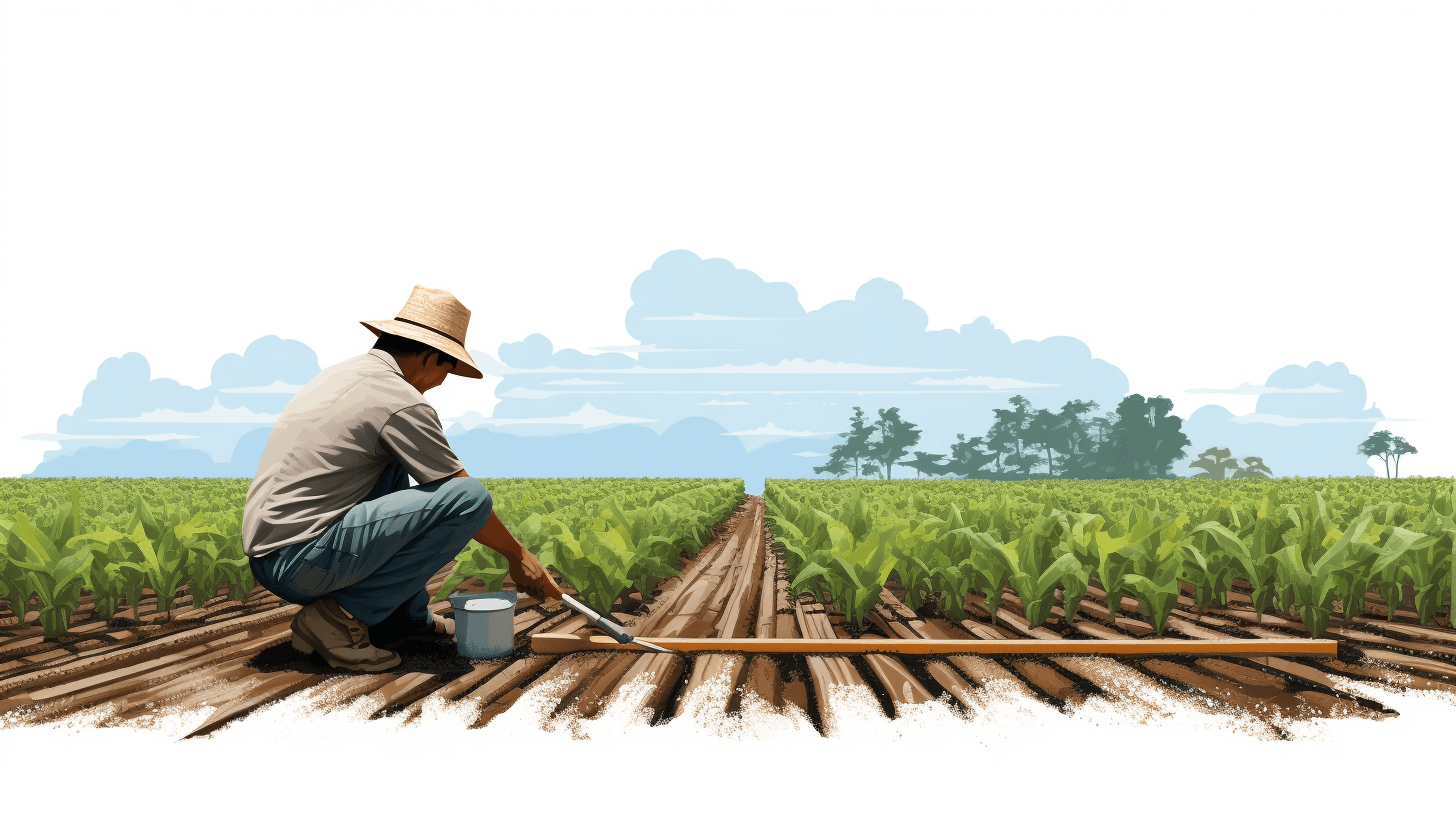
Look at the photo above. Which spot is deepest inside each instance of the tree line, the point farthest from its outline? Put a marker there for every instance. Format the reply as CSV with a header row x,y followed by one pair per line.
x,y
1140,440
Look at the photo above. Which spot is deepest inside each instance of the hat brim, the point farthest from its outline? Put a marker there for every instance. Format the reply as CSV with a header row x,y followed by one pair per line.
x,y
466,367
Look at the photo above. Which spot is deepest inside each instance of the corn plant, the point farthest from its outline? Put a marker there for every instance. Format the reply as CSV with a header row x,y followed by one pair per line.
x,y
1310,570
1157,554
114,574
13,586
475,561
1412,554
1077,539
654,555
236,572
163,557
985,570
853,571
1252,555
1115,557
1035,587
916,561
207,564
595,564
56,575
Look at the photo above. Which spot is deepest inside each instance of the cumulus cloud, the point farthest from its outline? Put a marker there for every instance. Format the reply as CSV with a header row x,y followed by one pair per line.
x,y
1308,421
1290,422
1249,389
60,437
536,352
588,416
650,347
701,316
275,387
773,430
124,404
213,414
710,334
990,383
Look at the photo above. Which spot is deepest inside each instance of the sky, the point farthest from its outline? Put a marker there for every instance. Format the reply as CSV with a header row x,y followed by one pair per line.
x,y
1203,195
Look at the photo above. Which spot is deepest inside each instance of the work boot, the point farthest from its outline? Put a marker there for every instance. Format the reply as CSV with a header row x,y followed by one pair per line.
x,y
438,631
341,639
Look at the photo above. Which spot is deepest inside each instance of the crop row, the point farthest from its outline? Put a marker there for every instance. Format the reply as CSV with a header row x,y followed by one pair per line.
x,y
604,536
116,538
117,544
1312,547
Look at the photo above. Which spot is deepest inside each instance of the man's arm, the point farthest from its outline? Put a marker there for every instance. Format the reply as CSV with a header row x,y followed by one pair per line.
x,y
526,569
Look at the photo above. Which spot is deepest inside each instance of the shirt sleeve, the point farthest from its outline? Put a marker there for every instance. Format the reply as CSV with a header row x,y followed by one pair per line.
x,y
417,441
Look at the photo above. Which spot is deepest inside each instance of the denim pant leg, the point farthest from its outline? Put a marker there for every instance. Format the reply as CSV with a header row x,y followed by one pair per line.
x,y
379,555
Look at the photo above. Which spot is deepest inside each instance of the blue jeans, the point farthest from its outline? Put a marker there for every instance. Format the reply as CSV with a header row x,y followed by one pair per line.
x,y
377,558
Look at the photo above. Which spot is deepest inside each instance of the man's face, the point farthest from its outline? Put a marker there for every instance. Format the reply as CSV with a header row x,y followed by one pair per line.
x,y
424,371
434,372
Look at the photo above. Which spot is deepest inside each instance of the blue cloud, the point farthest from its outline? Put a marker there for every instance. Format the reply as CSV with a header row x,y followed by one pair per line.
x,y
140,458
149,421
733,376
536,352
1307,422
712,335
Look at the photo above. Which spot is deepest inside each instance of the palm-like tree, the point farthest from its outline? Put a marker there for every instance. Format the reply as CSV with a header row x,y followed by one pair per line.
x,y
1398,448
1254,468
1216,463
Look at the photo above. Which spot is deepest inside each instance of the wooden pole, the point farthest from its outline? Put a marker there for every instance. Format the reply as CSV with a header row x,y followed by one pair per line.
x,y
549,643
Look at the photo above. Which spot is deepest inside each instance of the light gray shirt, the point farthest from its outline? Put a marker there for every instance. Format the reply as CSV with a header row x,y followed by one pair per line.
x,y
331,445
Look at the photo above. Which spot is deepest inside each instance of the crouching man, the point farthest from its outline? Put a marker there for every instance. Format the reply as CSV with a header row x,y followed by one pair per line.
x,y
331,520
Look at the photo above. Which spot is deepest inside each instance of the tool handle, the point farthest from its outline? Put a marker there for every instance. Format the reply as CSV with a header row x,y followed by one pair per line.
x,y
618,633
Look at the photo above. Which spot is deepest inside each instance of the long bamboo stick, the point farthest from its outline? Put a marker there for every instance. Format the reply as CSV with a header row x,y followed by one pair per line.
x,y
549,643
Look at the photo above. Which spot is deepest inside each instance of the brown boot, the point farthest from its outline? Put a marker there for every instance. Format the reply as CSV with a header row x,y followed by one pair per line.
x,y
341,639
440,631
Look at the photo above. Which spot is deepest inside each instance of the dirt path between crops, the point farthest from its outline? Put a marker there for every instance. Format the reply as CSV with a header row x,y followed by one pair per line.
x,y
234,657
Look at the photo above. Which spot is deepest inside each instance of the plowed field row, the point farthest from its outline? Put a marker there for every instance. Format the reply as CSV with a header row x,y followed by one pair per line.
x,y
234,657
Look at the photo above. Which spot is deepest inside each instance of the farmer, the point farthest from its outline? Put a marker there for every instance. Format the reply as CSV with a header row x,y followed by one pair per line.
x,y
331,520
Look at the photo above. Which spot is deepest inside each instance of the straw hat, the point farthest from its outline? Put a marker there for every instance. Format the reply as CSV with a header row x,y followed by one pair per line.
x,y
433,317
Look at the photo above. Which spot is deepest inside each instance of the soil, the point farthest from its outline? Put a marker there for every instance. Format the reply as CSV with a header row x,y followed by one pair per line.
x,y
236,654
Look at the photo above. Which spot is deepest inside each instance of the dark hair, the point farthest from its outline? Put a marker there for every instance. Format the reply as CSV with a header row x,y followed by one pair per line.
x,y
403,346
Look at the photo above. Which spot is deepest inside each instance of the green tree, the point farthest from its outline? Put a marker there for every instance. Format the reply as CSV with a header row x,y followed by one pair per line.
x,y
1144,441
1007,437
1044,430
1381,444
836,465
1167,439
870,469
1254,468
856,444
896,436
1398,448
925,462
1215,463
968,457
1074,437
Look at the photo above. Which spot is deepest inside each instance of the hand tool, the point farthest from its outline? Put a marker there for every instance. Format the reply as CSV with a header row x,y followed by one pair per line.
x,y
618,633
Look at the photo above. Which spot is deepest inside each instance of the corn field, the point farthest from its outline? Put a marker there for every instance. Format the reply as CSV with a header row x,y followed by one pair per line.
x,y
1307,547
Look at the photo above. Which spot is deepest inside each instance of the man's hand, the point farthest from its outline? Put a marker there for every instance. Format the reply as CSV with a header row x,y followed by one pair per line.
x,y
526,569
528,573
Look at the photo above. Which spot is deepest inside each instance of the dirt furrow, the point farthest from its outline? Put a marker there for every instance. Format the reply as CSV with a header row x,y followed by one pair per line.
x,y
698,603
734,613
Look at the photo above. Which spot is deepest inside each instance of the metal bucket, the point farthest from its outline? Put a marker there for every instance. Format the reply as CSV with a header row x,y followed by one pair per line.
x,y
484,624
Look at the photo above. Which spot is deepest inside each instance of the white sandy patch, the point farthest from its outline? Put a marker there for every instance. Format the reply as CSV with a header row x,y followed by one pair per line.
x,y
1142,747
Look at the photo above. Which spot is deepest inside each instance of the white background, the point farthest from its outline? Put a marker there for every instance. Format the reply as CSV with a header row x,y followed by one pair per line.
x,y
1201,193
